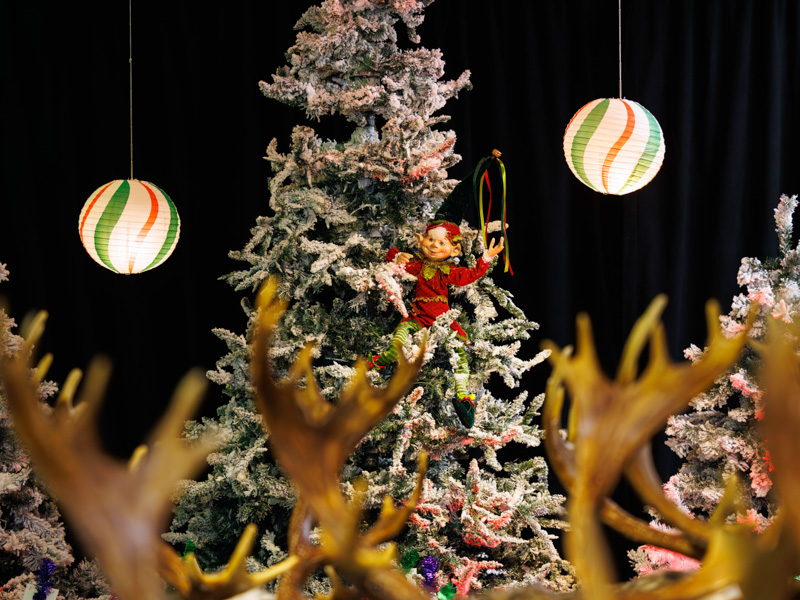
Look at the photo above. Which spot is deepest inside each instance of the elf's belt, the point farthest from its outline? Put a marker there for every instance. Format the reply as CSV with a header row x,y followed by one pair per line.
x,y
431,299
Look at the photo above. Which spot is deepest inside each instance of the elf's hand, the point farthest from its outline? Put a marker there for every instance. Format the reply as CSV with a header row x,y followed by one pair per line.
x,y
493,250
402,258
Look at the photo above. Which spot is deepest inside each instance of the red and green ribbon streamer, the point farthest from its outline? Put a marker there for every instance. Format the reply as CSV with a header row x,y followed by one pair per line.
x,y
483,176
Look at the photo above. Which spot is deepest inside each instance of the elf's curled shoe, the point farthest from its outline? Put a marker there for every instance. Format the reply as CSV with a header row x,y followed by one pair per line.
x,y
465,409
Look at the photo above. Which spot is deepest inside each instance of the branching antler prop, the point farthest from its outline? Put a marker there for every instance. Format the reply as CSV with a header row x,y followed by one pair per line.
x,y
610,425
118,510
312,439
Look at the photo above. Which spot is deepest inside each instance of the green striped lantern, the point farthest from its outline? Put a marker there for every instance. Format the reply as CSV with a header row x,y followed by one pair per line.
x,y
129,226
614,146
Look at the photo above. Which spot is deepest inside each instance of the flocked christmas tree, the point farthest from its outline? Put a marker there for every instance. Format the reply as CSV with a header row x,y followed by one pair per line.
x,y
31,529
720,436
338,207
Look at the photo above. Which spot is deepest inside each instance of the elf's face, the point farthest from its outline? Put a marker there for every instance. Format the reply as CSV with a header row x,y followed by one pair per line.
x,y
436,246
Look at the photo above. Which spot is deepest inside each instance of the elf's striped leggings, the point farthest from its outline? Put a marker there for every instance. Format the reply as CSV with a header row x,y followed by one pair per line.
x,y
401,333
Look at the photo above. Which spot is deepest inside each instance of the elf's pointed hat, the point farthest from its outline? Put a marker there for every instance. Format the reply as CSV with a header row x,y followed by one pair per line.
x,y
470,189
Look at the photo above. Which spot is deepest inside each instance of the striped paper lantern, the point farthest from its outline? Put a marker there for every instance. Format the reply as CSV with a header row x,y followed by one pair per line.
x,y
614,146
129,226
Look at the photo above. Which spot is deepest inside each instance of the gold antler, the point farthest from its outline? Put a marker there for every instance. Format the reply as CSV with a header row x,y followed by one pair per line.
x,y
117,512
611,421
312,439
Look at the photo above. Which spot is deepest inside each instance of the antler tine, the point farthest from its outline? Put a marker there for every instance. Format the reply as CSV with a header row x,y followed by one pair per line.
x,y
91,395
641,333
64,407
189,392
32,333
43,366
117,513
309,400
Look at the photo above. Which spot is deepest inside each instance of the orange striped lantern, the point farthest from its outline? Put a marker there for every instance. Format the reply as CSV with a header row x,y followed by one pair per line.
x,y
129,226
614,146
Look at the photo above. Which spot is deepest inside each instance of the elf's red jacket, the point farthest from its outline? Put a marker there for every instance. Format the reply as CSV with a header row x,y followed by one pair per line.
x,y
430,293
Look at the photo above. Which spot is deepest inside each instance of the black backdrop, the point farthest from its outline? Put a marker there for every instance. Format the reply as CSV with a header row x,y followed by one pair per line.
x,y
721,76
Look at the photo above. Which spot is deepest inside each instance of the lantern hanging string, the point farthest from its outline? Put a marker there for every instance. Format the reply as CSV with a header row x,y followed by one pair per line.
x,y
619,23
130,76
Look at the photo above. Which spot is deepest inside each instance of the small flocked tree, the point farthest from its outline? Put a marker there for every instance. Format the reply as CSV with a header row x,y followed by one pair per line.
x,y
720,436
31,529
338,206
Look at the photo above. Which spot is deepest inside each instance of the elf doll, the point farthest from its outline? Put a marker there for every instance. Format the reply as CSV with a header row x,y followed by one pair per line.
x,y
432,266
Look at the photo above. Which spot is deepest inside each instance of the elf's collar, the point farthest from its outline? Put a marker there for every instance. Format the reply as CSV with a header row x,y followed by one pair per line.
x,y
429,267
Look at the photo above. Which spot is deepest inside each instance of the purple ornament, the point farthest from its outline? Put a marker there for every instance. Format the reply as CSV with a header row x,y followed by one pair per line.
x,y
43,582
429,565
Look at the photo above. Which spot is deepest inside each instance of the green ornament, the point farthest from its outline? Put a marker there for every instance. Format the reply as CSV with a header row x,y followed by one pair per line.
x,y
446,592
189,548
410,560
